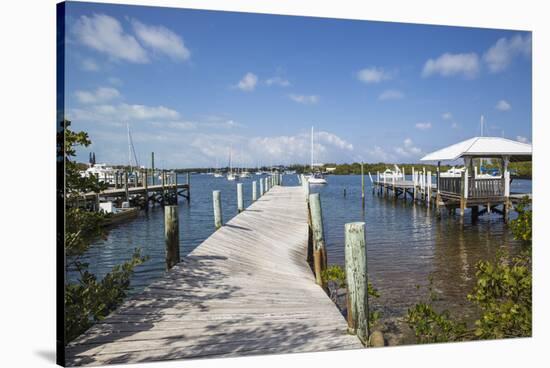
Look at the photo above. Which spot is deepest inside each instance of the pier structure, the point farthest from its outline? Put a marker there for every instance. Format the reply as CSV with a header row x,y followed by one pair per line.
x,y
481,193
147,188
247,289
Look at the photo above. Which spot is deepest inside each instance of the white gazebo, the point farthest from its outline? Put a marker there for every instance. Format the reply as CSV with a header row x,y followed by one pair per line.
x,y
469,190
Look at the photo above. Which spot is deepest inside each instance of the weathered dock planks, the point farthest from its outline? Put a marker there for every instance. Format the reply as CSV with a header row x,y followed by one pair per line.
x,y
247,289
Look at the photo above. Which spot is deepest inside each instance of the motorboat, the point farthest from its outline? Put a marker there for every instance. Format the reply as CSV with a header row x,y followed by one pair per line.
x,y
317,178
392,174
245,174
453,172
117,215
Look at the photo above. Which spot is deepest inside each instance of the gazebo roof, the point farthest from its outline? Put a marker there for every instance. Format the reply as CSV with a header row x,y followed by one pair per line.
x,y
484,147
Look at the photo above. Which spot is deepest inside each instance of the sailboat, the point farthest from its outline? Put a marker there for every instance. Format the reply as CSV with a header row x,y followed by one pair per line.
x,y
217,173
230,175
315,177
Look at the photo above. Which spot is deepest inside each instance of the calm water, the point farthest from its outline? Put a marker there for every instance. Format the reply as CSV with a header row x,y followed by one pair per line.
x,y
406,243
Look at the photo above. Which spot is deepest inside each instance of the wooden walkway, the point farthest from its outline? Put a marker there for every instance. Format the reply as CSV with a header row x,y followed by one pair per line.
x,y
247,289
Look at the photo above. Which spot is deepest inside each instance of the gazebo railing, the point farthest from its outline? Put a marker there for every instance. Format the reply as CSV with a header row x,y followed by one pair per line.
x,y
450,185
477,188
486,187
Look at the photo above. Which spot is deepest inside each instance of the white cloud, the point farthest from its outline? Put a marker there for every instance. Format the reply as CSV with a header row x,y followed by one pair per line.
x,y
503,105
522,139
448,65
105,34
179,125
454,125
248,82
447,116
162,40
89,65
423,126
296,148
373,75
165,137
334,140
277,81
501,54
100,95
408,149
305,99
121,113
378,153
391,94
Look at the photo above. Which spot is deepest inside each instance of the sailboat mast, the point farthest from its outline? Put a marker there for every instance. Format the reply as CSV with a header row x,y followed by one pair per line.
x,y
129,146
230,167
312,149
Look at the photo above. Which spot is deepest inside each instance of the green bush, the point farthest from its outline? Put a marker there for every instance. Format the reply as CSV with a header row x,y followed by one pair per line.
x,y
521,226
87,300
502,294
337,274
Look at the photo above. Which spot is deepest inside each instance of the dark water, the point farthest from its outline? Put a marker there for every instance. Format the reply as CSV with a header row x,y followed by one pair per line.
x,y
406,243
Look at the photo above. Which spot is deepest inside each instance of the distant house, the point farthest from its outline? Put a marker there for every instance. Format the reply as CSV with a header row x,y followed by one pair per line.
x,y
330,169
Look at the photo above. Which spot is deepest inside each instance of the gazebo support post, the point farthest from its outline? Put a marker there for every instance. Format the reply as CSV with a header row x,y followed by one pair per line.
x,y
464,185
438,196
506,186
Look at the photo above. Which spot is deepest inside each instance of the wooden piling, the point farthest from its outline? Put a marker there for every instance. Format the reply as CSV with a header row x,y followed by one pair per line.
x,y
319,249
475,213
126,186
429,186
356,279
146,186
463,191
261,187
218,220
163,179
240,204
362,185
306,189
152,168
175,187
171,236
254,195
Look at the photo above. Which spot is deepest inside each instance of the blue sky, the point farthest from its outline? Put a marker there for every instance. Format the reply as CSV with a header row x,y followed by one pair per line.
x,y
194,84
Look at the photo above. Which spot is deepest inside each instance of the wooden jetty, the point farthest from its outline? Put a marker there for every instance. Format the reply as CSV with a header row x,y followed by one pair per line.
x,y
142,193
453,193
247,289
